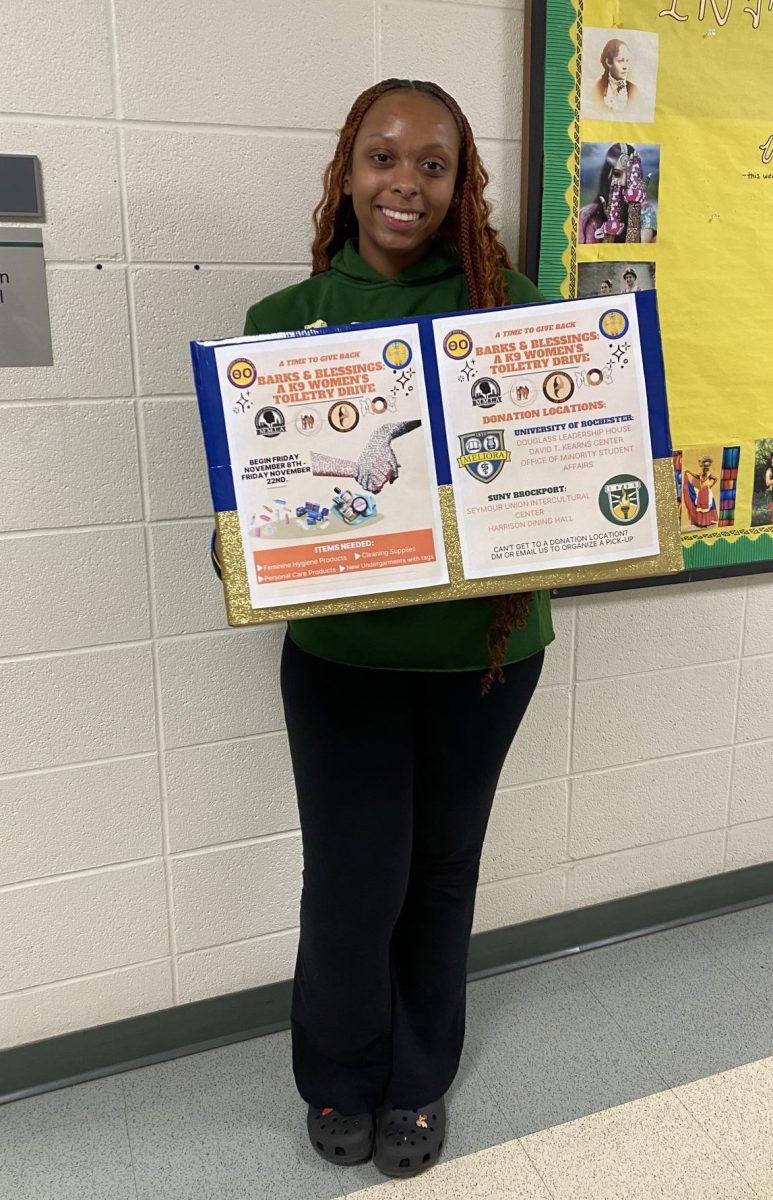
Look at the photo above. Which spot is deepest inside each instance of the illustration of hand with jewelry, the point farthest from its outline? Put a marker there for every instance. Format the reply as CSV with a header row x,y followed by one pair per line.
x,y
376,466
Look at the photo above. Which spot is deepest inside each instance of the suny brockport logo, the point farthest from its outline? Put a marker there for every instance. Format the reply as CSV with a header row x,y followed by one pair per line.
x,y
483,454
624,500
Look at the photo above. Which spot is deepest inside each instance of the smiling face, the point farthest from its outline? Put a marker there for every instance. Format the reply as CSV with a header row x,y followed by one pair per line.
x,y
401,178
619,64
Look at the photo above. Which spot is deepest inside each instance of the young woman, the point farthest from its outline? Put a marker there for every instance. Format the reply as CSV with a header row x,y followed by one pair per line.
x,y
399,721
614,89
699,498
619,211
613,96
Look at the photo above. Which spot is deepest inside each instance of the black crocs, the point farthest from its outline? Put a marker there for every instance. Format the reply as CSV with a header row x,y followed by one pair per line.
x,y
409,1140
341,1140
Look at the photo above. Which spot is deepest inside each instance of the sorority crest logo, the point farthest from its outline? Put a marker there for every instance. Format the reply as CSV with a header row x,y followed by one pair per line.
x,y
624,500
241,373
343,416
397,353
558,387
308,422
483,454
457,344
614,323
269,422
486,393
523,393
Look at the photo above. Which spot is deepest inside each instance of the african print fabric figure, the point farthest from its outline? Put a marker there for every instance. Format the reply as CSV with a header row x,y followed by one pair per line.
x,y
699,499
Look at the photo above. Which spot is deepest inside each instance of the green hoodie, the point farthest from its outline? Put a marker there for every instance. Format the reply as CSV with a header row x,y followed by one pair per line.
x,y
451,635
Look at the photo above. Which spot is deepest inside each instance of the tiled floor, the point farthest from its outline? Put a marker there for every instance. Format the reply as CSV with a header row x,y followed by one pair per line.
x,y
640,1070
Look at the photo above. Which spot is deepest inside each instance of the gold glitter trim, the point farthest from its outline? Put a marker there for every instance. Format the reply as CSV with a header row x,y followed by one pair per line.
x,y
668,561
237,589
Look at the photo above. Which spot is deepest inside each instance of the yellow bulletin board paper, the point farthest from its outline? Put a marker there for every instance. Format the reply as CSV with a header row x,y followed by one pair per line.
x,y
697,109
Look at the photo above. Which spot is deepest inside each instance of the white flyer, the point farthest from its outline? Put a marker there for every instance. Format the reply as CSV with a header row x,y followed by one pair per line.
x,y
332,464
548,436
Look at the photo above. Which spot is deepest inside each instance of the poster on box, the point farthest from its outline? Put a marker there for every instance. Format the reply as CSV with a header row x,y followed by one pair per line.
x,y
548,436
331,456
439,457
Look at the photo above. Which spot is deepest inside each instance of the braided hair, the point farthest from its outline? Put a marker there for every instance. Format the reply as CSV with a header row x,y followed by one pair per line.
x,y
482,255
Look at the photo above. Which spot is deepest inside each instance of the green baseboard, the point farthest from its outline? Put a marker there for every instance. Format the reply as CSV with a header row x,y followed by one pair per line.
x,y
190,1028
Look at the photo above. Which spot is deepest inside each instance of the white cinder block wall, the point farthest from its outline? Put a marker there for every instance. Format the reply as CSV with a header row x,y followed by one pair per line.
x,y
149,853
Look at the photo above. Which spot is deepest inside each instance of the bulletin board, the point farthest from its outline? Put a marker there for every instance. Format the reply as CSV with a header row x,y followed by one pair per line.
x,y
649,164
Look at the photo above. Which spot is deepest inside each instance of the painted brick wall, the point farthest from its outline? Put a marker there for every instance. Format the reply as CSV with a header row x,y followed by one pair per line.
x,y
149,853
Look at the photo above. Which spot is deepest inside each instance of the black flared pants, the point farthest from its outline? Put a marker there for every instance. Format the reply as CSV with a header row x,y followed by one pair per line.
x,y
395,773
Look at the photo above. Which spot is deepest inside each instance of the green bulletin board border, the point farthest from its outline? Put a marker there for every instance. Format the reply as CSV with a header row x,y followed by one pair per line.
x,y
758,552
558,148
555,30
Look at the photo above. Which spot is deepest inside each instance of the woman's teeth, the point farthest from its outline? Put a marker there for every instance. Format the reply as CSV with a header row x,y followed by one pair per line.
x,y
401,216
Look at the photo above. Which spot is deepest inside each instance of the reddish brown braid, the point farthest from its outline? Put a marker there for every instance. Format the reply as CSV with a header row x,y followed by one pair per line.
x,y
467,226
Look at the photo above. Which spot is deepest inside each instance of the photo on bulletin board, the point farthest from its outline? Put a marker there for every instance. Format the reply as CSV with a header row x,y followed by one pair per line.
x,y
615,278
619,75
618,193
762,500
706,478
648,164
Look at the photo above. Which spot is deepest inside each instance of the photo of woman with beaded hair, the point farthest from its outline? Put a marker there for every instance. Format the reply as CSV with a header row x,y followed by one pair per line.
x,y
624,87
618,190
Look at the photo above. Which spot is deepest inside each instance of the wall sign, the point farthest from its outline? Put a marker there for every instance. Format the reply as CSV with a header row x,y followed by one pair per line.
x,y
21,196
25,330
